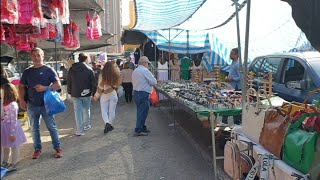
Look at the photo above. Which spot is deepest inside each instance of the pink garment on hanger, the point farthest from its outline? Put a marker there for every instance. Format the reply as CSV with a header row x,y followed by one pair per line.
x,y
9,11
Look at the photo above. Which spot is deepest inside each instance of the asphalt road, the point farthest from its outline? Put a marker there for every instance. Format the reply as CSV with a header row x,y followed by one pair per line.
x,y
167,153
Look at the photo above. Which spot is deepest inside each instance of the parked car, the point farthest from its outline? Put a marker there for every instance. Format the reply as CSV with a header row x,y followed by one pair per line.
x,y
294,74
13,76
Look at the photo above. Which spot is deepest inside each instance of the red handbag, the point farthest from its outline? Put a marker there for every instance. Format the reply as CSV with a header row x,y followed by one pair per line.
x,y
312,123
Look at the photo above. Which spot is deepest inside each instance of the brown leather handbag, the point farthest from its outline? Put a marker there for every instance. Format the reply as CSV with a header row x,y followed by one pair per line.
x,y
274,129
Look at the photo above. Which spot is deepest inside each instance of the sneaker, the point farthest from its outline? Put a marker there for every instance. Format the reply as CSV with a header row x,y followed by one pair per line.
x,y
86,128
36,154
140,134
111,128
79,133
107,128
147,131
58,153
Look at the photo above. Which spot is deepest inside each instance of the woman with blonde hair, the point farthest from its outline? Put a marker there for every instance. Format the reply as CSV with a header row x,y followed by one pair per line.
x,y
109,80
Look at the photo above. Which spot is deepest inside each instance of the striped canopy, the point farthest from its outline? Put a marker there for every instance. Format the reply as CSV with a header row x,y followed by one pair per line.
x,y
180,41
161,14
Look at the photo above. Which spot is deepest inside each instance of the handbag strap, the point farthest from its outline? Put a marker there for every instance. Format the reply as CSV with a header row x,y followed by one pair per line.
x,y
315,91
250,91
264,162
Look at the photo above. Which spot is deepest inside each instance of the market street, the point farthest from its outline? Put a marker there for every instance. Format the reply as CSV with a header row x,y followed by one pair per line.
x,y
165,154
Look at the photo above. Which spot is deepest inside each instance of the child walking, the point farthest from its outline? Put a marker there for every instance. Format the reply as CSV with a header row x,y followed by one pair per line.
x,y
12,135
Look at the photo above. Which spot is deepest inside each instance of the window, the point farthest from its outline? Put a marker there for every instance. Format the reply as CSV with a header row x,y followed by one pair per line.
x,y
309,84
294,75
271,65
256,66
9,73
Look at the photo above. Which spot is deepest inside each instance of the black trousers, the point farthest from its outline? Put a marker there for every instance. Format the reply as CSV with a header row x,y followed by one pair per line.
x,y
127,91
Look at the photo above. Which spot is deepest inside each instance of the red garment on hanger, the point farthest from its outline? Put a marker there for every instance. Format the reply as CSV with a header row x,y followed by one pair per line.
x,y
9,11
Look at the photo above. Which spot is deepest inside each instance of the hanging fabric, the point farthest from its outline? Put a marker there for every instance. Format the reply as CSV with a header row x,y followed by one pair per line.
x,y
30,12
2,31
93,27
9,11
63,10
71,36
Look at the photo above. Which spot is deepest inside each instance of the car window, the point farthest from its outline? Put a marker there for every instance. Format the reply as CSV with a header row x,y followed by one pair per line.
x,y
309,84
271,65
9,73
294,74
256,66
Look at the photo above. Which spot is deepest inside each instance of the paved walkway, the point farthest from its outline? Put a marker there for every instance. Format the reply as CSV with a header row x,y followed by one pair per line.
x,y
165,154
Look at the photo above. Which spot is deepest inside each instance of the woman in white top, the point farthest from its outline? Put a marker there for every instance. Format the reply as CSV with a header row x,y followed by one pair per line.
x,y
109,80
126,75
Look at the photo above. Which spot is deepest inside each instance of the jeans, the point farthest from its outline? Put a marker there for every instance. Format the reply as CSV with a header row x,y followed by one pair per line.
x,y
236,119
34,113
108,104
81,107
142,101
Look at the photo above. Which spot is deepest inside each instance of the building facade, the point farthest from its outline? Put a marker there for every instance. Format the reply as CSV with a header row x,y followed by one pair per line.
x,y
111,21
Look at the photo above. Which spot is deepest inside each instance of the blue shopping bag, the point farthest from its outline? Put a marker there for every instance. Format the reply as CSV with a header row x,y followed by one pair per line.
x,y
3,171
53,102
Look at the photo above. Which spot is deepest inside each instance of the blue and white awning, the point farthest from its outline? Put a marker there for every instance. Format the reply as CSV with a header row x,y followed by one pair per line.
x,y
162,14
180,41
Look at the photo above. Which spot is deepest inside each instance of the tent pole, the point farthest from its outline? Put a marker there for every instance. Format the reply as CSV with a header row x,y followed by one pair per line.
x,y
55,54
18,64
187,42
245,69
243,84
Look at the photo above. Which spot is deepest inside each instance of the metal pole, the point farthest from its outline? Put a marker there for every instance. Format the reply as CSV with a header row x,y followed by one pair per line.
x,y
243,84
187,42
55,54
214,155
246,47
18,64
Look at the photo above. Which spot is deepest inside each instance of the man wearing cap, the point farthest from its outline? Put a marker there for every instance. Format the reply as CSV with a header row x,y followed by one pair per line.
x,y
142,81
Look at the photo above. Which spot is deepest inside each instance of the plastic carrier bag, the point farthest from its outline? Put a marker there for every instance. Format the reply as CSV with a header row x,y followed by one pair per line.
x,y
53,103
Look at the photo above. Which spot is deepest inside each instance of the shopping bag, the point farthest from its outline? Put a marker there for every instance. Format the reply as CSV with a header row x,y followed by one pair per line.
x,y
254,114
53,103
275,125
120,91
154,98
299,150
312,124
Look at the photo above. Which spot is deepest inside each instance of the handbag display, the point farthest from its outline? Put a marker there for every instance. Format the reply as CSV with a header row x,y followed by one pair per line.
x,y
232,160
253,118
299,149
296,106
274,129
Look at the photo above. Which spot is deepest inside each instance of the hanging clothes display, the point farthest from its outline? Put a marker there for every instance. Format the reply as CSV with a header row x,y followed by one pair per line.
x,y
2,32
93,27
9,11
63,10
30,12
162,74
175,69
151,51
185,68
